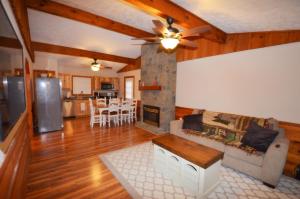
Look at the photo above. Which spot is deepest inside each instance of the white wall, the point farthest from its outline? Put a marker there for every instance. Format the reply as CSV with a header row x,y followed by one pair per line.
x,y
262,82
45,63
137,77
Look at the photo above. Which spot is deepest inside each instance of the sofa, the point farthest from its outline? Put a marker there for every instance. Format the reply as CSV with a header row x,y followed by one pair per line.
x,y
266,167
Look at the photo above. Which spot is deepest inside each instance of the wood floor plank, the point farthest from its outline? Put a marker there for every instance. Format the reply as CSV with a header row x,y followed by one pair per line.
x,y
66,164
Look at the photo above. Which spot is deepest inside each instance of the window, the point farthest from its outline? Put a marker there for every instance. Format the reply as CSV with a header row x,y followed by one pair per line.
x,y
129,87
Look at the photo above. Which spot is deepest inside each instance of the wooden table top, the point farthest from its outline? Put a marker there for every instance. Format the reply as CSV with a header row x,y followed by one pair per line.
x,y
198,154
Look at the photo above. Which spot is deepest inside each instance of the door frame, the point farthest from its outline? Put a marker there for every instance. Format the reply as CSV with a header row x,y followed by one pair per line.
x,y
128,77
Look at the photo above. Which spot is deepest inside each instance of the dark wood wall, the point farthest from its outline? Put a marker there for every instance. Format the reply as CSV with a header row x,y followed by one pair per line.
x,y
238,42
292,132
13,172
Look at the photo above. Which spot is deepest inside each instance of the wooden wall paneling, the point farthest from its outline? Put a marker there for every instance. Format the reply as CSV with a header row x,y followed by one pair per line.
x,y
238,42
292,131
13,172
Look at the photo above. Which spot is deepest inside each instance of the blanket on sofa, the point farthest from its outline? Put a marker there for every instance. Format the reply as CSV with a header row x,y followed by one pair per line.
x,y
230,128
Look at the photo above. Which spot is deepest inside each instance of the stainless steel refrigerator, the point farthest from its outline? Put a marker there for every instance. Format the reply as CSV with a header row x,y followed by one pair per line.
x,y
48,104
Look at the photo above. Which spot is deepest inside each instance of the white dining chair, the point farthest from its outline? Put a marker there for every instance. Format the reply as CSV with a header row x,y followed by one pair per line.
x,y
114,100
125,109
133,110
113,113
94,118
101,101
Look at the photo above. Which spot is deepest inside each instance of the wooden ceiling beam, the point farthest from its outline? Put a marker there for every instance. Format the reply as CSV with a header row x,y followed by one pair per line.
x,y
76,14
186,19
130,67
50,48
56,49
21,15
10,42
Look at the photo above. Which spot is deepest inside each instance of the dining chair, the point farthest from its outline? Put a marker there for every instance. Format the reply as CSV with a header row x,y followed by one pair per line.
x,y
125,112
101,101
133,110
94,118
113,113
114,100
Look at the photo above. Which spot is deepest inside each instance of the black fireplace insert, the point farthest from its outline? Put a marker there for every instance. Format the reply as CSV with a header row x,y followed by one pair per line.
x,y
151,115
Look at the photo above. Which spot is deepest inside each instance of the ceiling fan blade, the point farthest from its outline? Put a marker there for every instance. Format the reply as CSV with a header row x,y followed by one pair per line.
x,y
145,38
159,27
188,43
147,43
195,31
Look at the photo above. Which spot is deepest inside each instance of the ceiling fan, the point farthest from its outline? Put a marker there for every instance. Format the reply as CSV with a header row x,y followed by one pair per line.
x,y
170,36
95,66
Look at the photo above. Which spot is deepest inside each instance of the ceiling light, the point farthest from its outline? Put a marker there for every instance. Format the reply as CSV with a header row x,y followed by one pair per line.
x,y
169,43
95,66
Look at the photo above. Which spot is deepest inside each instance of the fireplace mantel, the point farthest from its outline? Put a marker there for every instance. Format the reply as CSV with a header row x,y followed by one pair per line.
x,y
150,88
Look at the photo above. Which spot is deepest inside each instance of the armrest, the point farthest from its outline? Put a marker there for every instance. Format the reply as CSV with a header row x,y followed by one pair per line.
x,y
176,126
274,159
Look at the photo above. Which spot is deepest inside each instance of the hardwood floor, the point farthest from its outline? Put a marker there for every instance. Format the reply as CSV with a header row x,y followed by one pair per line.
x,y
65,164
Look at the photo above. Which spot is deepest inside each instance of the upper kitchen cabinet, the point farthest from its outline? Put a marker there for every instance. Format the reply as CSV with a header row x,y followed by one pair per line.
x,y
66,80
116,83
97,83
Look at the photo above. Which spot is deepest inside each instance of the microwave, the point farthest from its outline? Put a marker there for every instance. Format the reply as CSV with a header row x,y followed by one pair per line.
x,y
107,86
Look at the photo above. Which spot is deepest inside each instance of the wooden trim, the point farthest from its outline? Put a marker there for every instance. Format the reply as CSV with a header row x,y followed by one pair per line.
x,y
76,14
150,88
21,15
181,16
50,48
133,88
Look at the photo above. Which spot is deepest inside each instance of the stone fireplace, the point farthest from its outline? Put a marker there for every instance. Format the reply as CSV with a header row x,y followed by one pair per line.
x,y
151,115
158,68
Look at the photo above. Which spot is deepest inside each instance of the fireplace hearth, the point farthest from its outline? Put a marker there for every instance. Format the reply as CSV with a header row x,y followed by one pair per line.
x,y
151,115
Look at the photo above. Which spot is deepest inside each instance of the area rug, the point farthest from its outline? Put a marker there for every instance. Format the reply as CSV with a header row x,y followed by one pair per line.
x,y
134,168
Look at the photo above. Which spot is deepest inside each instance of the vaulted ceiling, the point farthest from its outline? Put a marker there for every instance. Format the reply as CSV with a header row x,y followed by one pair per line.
x,y
230,16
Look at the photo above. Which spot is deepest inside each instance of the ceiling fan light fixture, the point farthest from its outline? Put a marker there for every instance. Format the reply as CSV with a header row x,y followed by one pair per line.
x,y
169,43
95,66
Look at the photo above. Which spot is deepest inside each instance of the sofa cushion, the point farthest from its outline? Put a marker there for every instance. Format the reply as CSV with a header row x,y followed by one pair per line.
x,y
193,122
255,159
258,137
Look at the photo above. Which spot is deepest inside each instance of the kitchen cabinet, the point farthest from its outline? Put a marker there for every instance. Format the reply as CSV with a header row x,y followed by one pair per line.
x,y
97,83
66,80
81,107
116,83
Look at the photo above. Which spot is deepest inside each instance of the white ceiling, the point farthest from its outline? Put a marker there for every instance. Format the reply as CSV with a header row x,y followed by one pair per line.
x,y
234,16
230,16
75,62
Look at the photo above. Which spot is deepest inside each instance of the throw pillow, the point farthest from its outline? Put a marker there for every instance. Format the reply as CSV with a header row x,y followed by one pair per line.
x,y
193,122
258,137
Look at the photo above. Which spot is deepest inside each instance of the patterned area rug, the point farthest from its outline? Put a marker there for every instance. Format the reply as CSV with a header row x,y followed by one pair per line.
x,y
134,168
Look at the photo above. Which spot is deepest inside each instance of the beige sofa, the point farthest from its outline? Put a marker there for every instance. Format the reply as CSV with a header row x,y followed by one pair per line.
x,y
267,166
